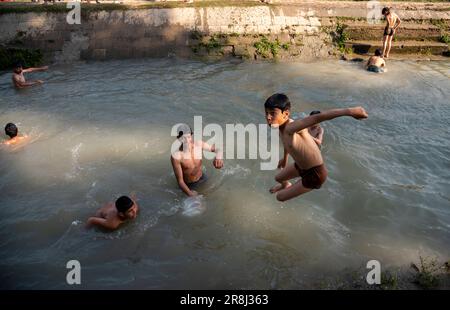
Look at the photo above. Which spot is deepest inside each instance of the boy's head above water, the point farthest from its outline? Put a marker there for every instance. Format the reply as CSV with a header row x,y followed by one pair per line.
x,y
278,109
11,130
314,113
184,134
18,67
126,207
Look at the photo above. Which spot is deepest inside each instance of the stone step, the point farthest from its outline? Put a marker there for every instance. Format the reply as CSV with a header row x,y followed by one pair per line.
x,y
414,32
401,47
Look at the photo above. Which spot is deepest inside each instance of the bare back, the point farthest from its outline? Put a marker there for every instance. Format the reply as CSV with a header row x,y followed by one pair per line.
x,y
391,20
376,61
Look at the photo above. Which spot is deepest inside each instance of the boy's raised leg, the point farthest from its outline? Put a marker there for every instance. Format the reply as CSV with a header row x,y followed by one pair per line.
x,y
287,173
292,191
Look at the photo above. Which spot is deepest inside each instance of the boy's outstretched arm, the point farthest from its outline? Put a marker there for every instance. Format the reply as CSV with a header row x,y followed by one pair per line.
x,y
297,125
35,69
176,165
218,161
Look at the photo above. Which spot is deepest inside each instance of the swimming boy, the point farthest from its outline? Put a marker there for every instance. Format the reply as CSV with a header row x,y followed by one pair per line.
x,y
392,23
186,166
19,79
316,131
376,63
113,214
308,162
12,132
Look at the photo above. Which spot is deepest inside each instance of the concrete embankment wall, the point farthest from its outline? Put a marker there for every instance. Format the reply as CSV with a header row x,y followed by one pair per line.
x,y
300,30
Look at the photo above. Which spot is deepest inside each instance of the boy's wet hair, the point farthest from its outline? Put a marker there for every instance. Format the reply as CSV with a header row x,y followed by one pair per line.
x,y
385,11
278,101
18,65
11,130
182,130
124,203
314,112
378,52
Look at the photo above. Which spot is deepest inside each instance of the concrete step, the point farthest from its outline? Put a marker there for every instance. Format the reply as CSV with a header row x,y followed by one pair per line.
x,y
414,32
401,47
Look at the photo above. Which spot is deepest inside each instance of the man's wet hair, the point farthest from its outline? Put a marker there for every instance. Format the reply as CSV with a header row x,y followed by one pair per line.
x,y
11,130
385,11
278,101
314,112
378,52
124,203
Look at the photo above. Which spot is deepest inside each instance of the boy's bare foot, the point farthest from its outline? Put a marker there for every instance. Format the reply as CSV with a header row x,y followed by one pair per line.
x,y
279,187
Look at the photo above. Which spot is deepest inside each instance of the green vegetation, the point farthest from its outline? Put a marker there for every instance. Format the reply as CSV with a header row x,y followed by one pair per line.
x,y
211,44
389,280
427,272
266,48
445,38
28,57
196,35
340,36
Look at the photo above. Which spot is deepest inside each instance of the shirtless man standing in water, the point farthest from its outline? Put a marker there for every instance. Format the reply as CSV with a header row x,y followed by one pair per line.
x,y
19,79
188,168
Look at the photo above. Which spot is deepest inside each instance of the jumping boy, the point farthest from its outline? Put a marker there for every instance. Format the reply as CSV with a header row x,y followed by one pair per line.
x,y
113,214
308,162
188,168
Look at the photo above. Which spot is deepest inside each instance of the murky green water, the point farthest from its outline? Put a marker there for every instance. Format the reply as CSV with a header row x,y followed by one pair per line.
x,y
100,130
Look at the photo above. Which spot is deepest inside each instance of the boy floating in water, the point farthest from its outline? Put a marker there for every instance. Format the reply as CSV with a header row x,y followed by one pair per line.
x,y
112,215
376,63
316,131
393,22
19,79
300,145
186,166
12,132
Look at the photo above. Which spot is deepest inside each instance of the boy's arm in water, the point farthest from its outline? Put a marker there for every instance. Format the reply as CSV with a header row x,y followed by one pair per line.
x,y
21,84
97,221
297,125
218,161
35,69
176,165
283,162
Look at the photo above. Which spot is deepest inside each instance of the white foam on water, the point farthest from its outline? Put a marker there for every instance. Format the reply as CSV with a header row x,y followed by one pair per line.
x,y
193,206
236,171
75,151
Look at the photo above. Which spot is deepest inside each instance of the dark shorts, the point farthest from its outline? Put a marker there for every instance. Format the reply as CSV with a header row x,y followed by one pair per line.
x,y
313,177
388,31
197,183
375,69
